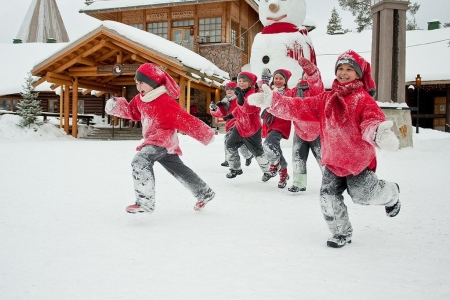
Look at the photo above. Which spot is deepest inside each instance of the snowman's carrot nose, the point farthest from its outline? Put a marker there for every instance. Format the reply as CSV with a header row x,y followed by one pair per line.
x,y
274,7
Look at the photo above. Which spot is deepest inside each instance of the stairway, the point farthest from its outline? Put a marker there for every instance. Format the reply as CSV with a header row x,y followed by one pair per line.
x,y
118,134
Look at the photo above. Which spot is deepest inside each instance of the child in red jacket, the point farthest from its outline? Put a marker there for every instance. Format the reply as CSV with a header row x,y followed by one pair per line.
x,y
274,129
223,108
161,116
351,126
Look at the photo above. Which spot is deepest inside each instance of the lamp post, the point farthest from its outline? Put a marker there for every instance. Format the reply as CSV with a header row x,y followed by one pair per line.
x,y
418,84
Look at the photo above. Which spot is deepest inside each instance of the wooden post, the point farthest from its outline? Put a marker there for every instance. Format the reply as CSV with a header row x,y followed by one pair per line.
x,y
61,105
188,97
182,93
75,108
66,109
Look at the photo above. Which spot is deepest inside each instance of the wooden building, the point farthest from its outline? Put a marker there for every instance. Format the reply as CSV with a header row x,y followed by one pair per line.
x,y
222,31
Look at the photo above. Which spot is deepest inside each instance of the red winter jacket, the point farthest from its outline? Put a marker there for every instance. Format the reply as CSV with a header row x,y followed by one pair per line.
x,y
161,118
347,147
248,121
222,112
271,122
308,131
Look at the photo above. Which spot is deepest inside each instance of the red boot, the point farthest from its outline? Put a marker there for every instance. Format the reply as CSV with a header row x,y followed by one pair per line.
x,y
284,176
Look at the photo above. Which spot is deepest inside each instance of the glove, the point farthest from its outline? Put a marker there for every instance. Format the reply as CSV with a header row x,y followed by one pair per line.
x,y
266,75
228,117
110,104
263,99
239,95
219,104
212,106
307,66
385,137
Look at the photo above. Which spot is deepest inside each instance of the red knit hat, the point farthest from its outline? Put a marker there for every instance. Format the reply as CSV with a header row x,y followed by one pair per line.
x,y
230,84
283,72
362,68
250,77
154,76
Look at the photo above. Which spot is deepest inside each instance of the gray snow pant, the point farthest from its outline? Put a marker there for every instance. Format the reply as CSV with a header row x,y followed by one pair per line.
x,y
364,188
272,149
253,144
144,178
243,150
300,152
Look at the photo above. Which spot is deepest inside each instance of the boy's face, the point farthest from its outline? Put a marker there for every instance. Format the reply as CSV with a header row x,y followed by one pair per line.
x,y
229,91
142,87
279,81
345,73
243,83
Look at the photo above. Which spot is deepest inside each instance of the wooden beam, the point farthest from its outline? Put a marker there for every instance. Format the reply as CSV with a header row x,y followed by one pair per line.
x,y
66,108
41,80
87,62
182,97
75,108
138,58
86,91
106,55
188,97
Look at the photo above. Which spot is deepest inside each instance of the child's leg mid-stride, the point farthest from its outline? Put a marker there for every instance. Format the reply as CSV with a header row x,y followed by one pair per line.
x,y
144,179
364,188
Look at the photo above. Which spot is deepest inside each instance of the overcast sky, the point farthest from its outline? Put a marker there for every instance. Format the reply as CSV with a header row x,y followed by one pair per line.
x,y
12,14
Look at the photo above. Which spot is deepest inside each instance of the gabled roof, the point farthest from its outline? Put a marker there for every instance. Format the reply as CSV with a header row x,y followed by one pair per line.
x,y
117,5
42,22
113,42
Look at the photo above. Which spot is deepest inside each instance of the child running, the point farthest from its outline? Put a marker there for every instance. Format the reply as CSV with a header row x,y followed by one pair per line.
x,y
161,116
351,126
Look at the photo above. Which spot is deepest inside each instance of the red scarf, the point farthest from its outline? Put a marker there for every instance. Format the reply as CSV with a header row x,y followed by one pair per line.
x,y
337,98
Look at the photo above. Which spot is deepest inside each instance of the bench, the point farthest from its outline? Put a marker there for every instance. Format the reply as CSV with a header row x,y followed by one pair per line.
x,y
88,118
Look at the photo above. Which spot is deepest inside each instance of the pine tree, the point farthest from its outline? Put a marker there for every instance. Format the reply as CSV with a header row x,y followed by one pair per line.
x,y
29,108
334,23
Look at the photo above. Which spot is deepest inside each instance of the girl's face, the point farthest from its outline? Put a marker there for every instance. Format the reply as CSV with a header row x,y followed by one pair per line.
x,y
243,83
229,91
345,73
142,87
279,81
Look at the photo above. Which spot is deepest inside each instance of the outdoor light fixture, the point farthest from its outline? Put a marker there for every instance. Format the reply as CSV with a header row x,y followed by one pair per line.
x,y
418,84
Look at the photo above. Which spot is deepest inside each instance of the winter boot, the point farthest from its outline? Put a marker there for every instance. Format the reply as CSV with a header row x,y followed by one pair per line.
x,y
273,169
224,164
392,211
284,176
296,189
338,241
267,176
248,161
135,208
234,173
205,199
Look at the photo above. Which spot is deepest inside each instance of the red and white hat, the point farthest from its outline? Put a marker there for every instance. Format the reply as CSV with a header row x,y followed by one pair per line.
x,y
154,76
283,72
250,77
230,84
362,68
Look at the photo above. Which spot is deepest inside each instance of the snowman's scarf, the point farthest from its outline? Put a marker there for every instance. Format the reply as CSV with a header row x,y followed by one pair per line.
x,y
283,27
336,100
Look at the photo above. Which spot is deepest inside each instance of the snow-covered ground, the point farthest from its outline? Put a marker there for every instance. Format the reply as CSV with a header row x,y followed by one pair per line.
x,y
64,232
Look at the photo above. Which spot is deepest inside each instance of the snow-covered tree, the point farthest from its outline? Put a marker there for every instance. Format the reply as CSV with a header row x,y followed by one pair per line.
x,y
361,9
411,23
335,23
29,108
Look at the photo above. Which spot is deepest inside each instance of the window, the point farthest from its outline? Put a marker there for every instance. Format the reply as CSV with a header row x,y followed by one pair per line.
x,y
53,106
210,30
183,23
243,40
5,105
234,33
15,103
160,29
80,107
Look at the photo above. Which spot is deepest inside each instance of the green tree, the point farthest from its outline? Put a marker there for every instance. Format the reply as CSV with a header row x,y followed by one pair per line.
x,y
334,23
411,23
361,9
29,108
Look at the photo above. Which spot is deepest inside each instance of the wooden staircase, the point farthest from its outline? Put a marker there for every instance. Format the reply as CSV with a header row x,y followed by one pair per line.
x,y
115,133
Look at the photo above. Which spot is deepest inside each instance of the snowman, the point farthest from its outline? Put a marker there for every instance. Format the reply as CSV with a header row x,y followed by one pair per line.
x,y
283,39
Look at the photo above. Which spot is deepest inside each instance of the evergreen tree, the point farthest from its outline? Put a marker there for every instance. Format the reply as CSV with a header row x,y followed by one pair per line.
x,y
334,23
362,10
29,108
411,24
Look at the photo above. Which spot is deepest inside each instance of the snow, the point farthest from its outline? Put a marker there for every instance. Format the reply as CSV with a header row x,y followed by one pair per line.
x,y
66,235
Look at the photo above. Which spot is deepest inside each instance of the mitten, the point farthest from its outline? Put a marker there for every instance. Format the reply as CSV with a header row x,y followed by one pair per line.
x,y
385,137
219,104
263,99
239,95
228,117
266,75
307,66
110,104
212,106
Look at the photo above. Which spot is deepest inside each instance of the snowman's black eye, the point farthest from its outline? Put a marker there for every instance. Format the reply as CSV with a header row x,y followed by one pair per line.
x,y
265,59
